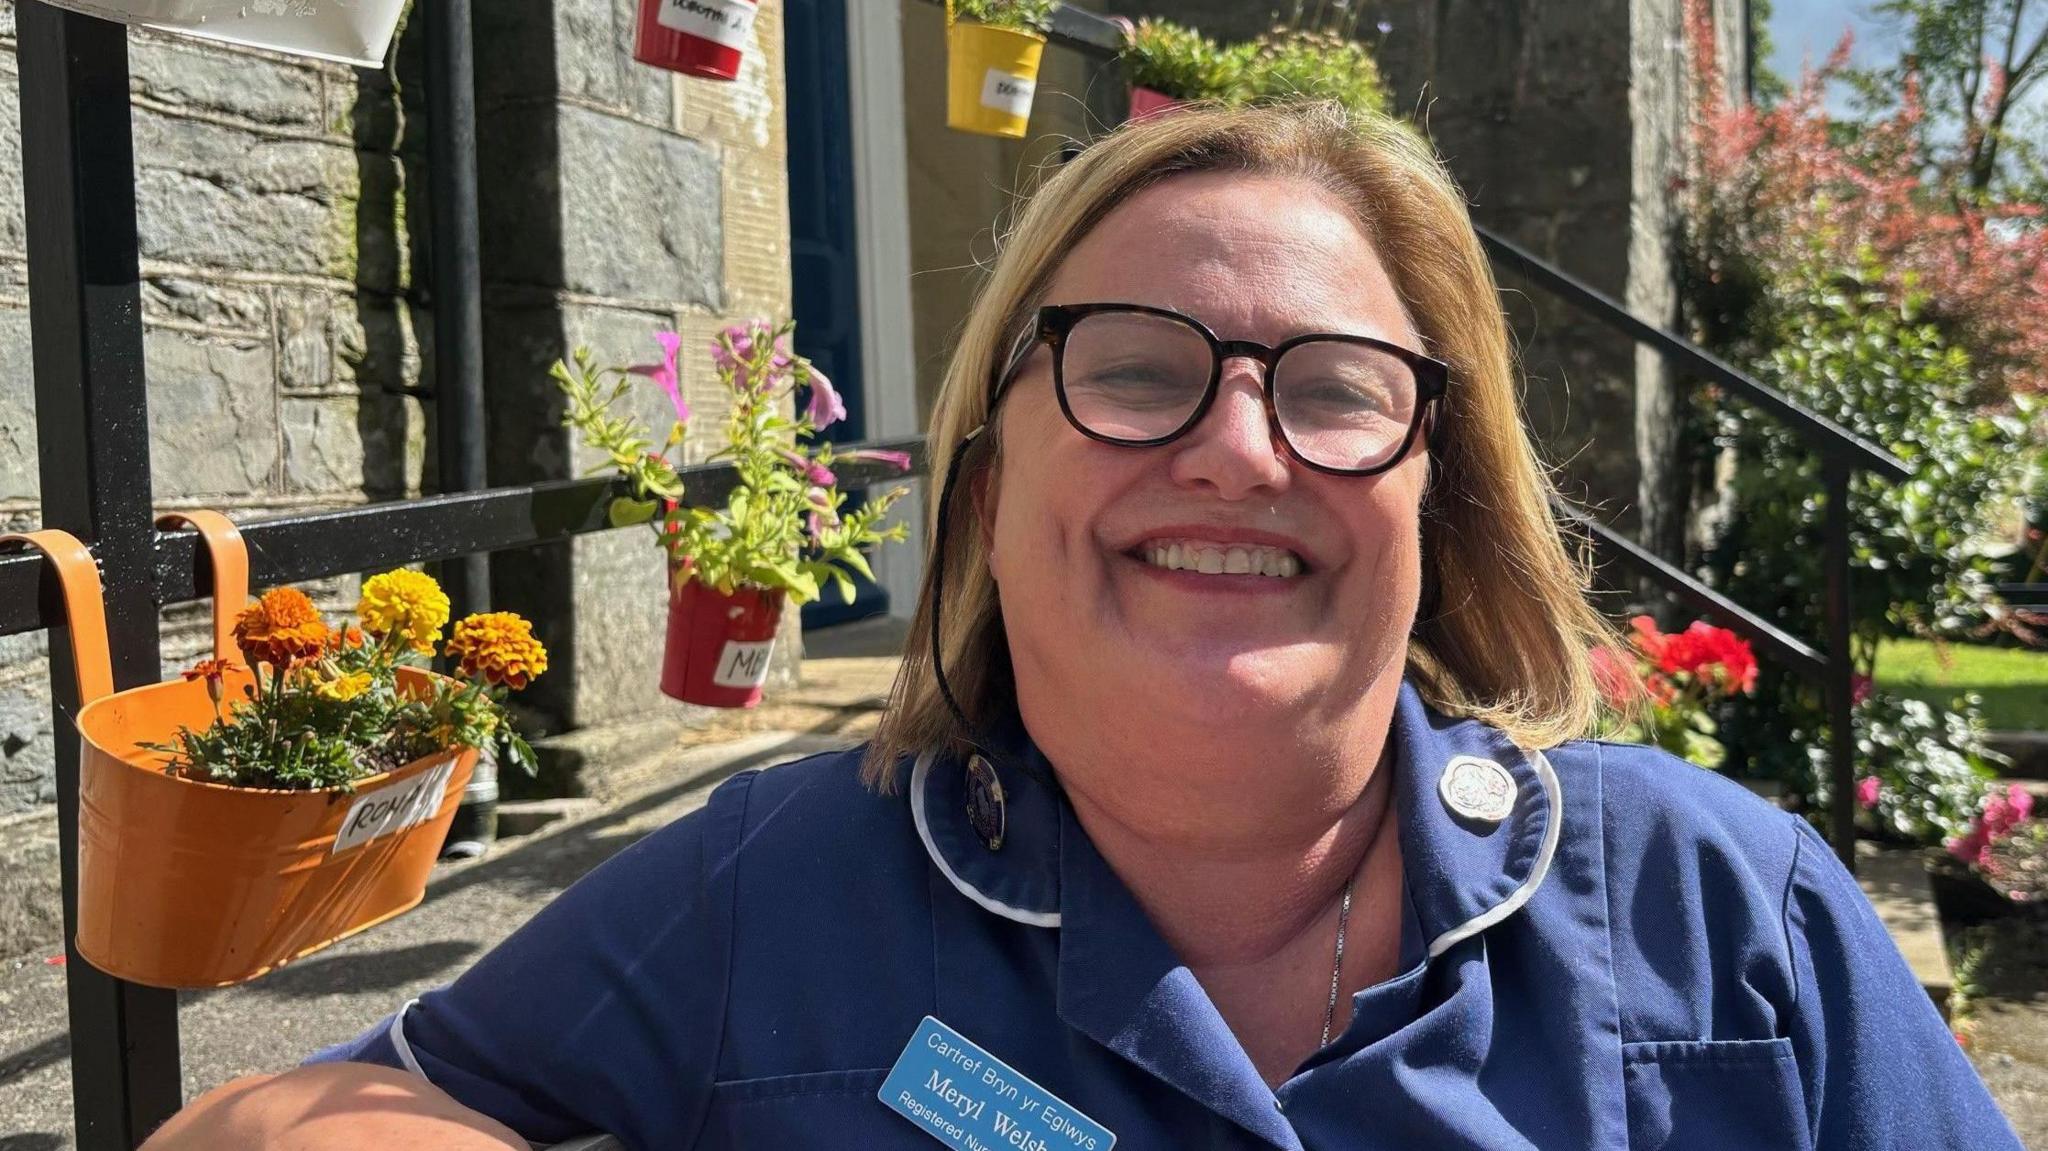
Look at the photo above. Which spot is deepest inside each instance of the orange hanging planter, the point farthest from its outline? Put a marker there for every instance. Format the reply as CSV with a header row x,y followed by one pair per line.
x,y
188,883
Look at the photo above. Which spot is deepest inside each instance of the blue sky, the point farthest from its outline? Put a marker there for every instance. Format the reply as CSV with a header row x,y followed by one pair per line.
x,y
1804,31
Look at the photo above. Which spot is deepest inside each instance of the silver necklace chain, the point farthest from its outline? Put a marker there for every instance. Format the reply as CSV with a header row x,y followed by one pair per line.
x,y
1337,968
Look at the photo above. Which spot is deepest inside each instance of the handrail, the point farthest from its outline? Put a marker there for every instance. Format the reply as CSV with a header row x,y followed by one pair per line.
x,y
288,549
1828,436
1777,642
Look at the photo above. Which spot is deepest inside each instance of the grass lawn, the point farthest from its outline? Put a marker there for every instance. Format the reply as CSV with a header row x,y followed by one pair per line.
x,y
2014,683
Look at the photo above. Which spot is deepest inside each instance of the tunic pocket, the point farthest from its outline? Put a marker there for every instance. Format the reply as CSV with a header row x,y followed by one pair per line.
x,y
823,1109
1724,1095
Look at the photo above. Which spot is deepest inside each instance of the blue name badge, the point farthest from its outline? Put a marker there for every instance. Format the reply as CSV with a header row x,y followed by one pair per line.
x,y
970,1100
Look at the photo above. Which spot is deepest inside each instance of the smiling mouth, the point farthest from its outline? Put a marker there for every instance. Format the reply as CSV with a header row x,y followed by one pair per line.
x,y
1207,557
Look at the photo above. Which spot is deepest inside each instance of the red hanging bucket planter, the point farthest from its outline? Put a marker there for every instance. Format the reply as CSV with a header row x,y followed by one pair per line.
x,y
695,37
719,645
1147,101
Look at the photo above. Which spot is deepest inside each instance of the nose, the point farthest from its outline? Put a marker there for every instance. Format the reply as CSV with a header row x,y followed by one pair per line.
x,y
1234,451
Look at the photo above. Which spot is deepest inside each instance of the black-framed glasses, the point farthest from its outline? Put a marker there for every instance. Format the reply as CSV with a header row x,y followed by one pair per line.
x,y
1139,376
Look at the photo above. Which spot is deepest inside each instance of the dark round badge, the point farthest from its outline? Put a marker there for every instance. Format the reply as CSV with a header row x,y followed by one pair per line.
x,y
985,812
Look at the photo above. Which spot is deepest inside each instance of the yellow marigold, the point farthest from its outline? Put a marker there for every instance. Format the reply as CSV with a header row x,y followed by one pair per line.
x,y
280,628
343,688
406,604
498,646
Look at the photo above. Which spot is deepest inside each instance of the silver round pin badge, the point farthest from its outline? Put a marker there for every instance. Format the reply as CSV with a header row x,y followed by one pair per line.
x,y
1477,789
987,809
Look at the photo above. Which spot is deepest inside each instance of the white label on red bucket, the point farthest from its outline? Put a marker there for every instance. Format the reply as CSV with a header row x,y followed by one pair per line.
x,y
1007,92
743,664
394,807
725,22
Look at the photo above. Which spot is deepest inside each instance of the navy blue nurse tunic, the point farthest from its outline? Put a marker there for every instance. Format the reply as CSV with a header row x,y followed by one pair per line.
x,y
1641,955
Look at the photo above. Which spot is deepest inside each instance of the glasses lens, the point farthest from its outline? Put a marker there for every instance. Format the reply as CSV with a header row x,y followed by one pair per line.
x,y
1344,405
1134,376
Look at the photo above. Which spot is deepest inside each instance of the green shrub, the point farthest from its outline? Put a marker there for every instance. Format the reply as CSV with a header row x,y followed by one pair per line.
x,y
1024,15
1178,61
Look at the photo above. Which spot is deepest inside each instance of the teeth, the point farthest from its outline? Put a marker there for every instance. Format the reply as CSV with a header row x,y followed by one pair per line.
x,y
1223,559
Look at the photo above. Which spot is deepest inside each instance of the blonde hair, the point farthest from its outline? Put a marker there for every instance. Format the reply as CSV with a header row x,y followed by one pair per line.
x,y
1508,636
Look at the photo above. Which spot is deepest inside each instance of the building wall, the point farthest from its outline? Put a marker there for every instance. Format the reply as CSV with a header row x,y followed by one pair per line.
x,y
283,205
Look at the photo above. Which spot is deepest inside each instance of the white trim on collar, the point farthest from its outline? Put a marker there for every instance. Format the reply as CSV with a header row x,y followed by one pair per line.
x,y
918,773
1553,791
396,1033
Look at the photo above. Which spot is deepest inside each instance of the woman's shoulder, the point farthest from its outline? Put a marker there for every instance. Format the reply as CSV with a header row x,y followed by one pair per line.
x,y
1654,805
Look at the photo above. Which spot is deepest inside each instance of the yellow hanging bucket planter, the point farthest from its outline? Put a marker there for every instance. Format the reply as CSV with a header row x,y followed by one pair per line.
x,y
991,76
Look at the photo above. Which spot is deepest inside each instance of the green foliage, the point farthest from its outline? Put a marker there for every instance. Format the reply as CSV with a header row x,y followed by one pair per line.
x,y
1178,61
1840,347
783,525
1023,15
1290,64
1932,767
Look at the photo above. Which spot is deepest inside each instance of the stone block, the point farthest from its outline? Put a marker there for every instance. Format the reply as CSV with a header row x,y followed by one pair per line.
x,y
224,307
212,416
185,76
594,60
27,746
333,445
31,891
642,217
216,196
19,478
13,223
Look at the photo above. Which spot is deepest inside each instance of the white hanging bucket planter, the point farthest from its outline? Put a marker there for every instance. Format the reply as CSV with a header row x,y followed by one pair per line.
x,y
350,31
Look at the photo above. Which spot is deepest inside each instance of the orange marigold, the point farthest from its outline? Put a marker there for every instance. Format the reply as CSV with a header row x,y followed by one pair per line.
x,y
281,628
498,646
344,637
212,671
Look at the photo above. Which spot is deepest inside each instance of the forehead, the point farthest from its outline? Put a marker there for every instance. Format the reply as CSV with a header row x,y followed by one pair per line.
x,y
1254,256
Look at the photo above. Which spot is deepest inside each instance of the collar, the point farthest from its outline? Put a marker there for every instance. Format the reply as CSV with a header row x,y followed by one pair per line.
x,y
1121,984
1463,875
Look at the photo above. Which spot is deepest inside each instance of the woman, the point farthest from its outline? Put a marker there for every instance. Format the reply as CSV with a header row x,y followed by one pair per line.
x,y
1242,808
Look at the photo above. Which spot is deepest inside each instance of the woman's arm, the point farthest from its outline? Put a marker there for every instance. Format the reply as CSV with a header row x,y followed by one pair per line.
x,y
331,1107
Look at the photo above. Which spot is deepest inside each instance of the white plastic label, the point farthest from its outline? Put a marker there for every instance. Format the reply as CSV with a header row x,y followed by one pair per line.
x,y
724,22
743,664
394,807
1007,92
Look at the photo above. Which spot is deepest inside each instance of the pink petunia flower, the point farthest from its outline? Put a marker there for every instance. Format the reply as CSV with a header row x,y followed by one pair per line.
x,y
666,374
826,407
898,460
1866,791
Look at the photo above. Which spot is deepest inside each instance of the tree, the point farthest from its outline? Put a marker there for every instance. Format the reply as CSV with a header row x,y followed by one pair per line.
x,y
1976,61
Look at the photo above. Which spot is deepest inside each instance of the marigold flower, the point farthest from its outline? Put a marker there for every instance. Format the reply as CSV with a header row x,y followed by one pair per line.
x,y
499,647
212,671
344,638
406,604
343,688
280,628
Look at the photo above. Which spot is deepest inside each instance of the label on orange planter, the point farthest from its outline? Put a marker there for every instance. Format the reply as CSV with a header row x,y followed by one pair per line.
x,y
725,22
394,807
1007,92
743,664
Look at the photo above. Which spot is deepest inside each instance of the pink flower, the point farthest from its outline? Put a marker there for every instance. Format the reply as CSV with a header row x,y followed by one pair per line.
x,y
1866,791
813,471
1859,688
826,408
898,460
666,375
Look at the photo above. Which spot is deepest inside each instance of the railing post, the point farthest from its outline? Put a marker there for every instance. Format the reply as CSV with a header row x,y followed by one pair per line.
x,y
457,279
92,441
1841,667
